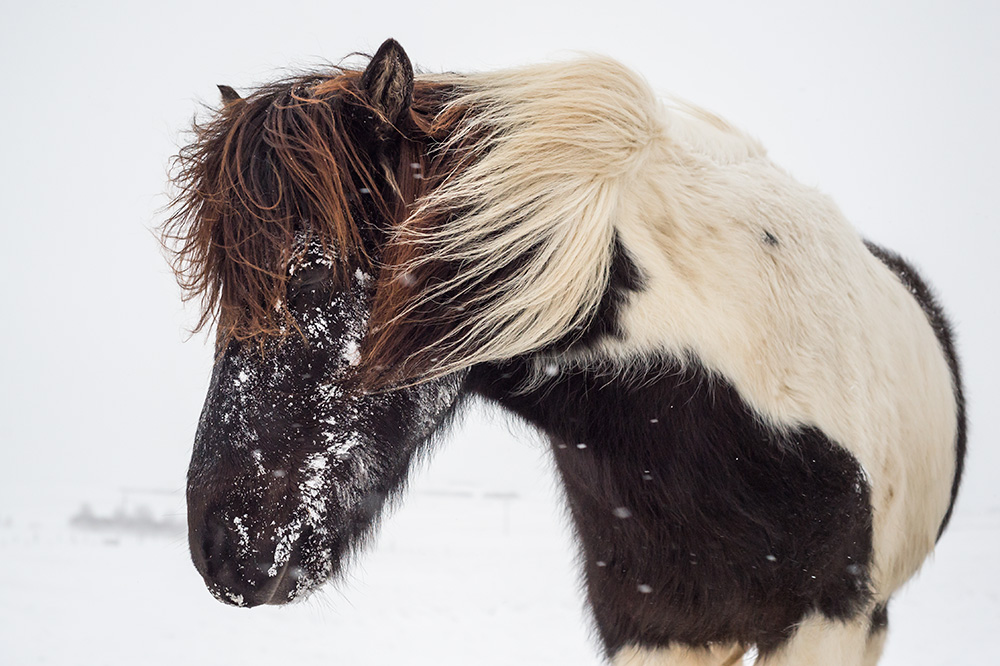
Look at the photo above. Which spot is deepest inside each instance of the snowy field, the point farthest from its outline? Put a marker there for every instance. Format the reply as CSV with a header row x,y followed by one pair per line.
x,y
891,107
464,573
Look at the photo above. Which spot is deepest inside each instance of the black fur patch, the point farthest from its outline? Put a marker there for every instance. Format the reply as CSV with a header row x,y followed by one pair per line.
x,y
697,522
942,329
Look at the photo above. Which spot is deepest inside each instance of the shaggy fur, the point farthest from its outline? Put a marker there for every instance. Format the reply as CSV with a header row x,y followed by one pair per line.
x,y
500,261
298,157
758,420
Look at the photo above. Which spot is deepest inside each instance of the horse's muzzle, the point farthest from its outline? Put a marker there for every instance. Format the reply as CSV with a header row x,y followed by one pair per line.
x,y
237,574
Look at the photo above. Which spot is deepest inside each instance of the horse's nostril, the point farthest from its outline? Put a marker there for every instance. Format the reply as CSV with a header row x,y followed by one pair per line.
x,y
235,571
216,546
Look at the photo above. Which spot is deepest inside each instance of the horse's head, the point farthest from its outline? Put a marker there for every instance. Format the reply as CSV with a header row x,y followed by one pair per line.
x,y
287,199
293,461
362,239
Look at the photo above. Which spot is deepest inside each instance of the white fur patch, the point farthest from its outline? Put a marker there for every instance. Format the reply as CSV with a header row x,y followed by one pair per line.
x,y
715,655
818,641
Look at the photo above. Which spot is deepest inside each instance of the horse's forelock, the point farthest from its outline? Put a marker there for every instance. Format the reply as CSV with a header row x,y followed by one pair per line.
x,y
268,168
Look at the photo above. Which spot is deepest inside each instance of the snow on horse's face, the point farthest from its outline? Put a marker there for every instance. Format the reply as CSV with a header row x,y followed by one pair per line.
x,y
292,461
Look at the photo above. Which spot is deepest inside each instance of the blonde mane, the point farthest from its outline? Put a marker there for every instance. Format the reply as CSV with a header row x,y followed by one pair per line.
x,y
512,252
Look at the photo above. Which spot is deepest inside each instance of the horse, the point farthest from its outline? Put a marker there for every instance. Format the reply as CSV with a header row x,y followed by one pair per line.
x,y
756,415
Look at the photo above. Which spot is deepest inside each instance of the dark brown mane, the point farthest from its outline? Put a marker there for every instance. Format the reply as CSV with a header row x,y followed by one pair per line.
x,y
287,161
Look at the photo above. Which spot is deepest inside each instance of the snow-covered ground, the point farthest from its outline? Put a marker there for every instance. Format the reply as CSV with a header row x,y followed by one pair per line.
x,y
463,574
891,107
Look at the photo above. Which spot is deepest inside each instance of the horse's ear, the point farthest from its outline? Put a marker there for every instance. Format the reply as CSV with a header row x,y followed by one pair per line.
x,y
229,95
388,81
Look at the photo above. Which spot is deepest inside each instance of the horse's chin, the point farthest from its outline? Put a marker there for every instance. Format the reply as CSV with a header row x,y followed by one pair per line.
x,y
291,583
297,583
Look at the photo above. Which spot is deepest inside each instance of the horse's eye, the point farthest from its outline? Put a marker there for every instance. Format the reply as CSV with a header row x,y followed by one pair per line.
x,y
308,281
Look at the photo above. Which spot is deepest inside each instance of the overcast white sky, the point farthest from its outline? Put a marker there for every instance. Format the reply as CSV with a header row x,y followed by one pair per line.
x,y
891,107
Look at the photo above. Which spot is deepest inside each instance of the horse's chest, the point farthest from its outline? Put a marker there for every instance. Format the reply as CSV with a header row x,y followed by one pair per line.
x,y
697,522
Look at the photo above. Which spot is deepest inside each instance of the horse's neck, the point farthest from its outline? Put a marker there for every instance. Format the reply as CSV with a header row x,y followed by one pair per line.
x,y
577,406
637,411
